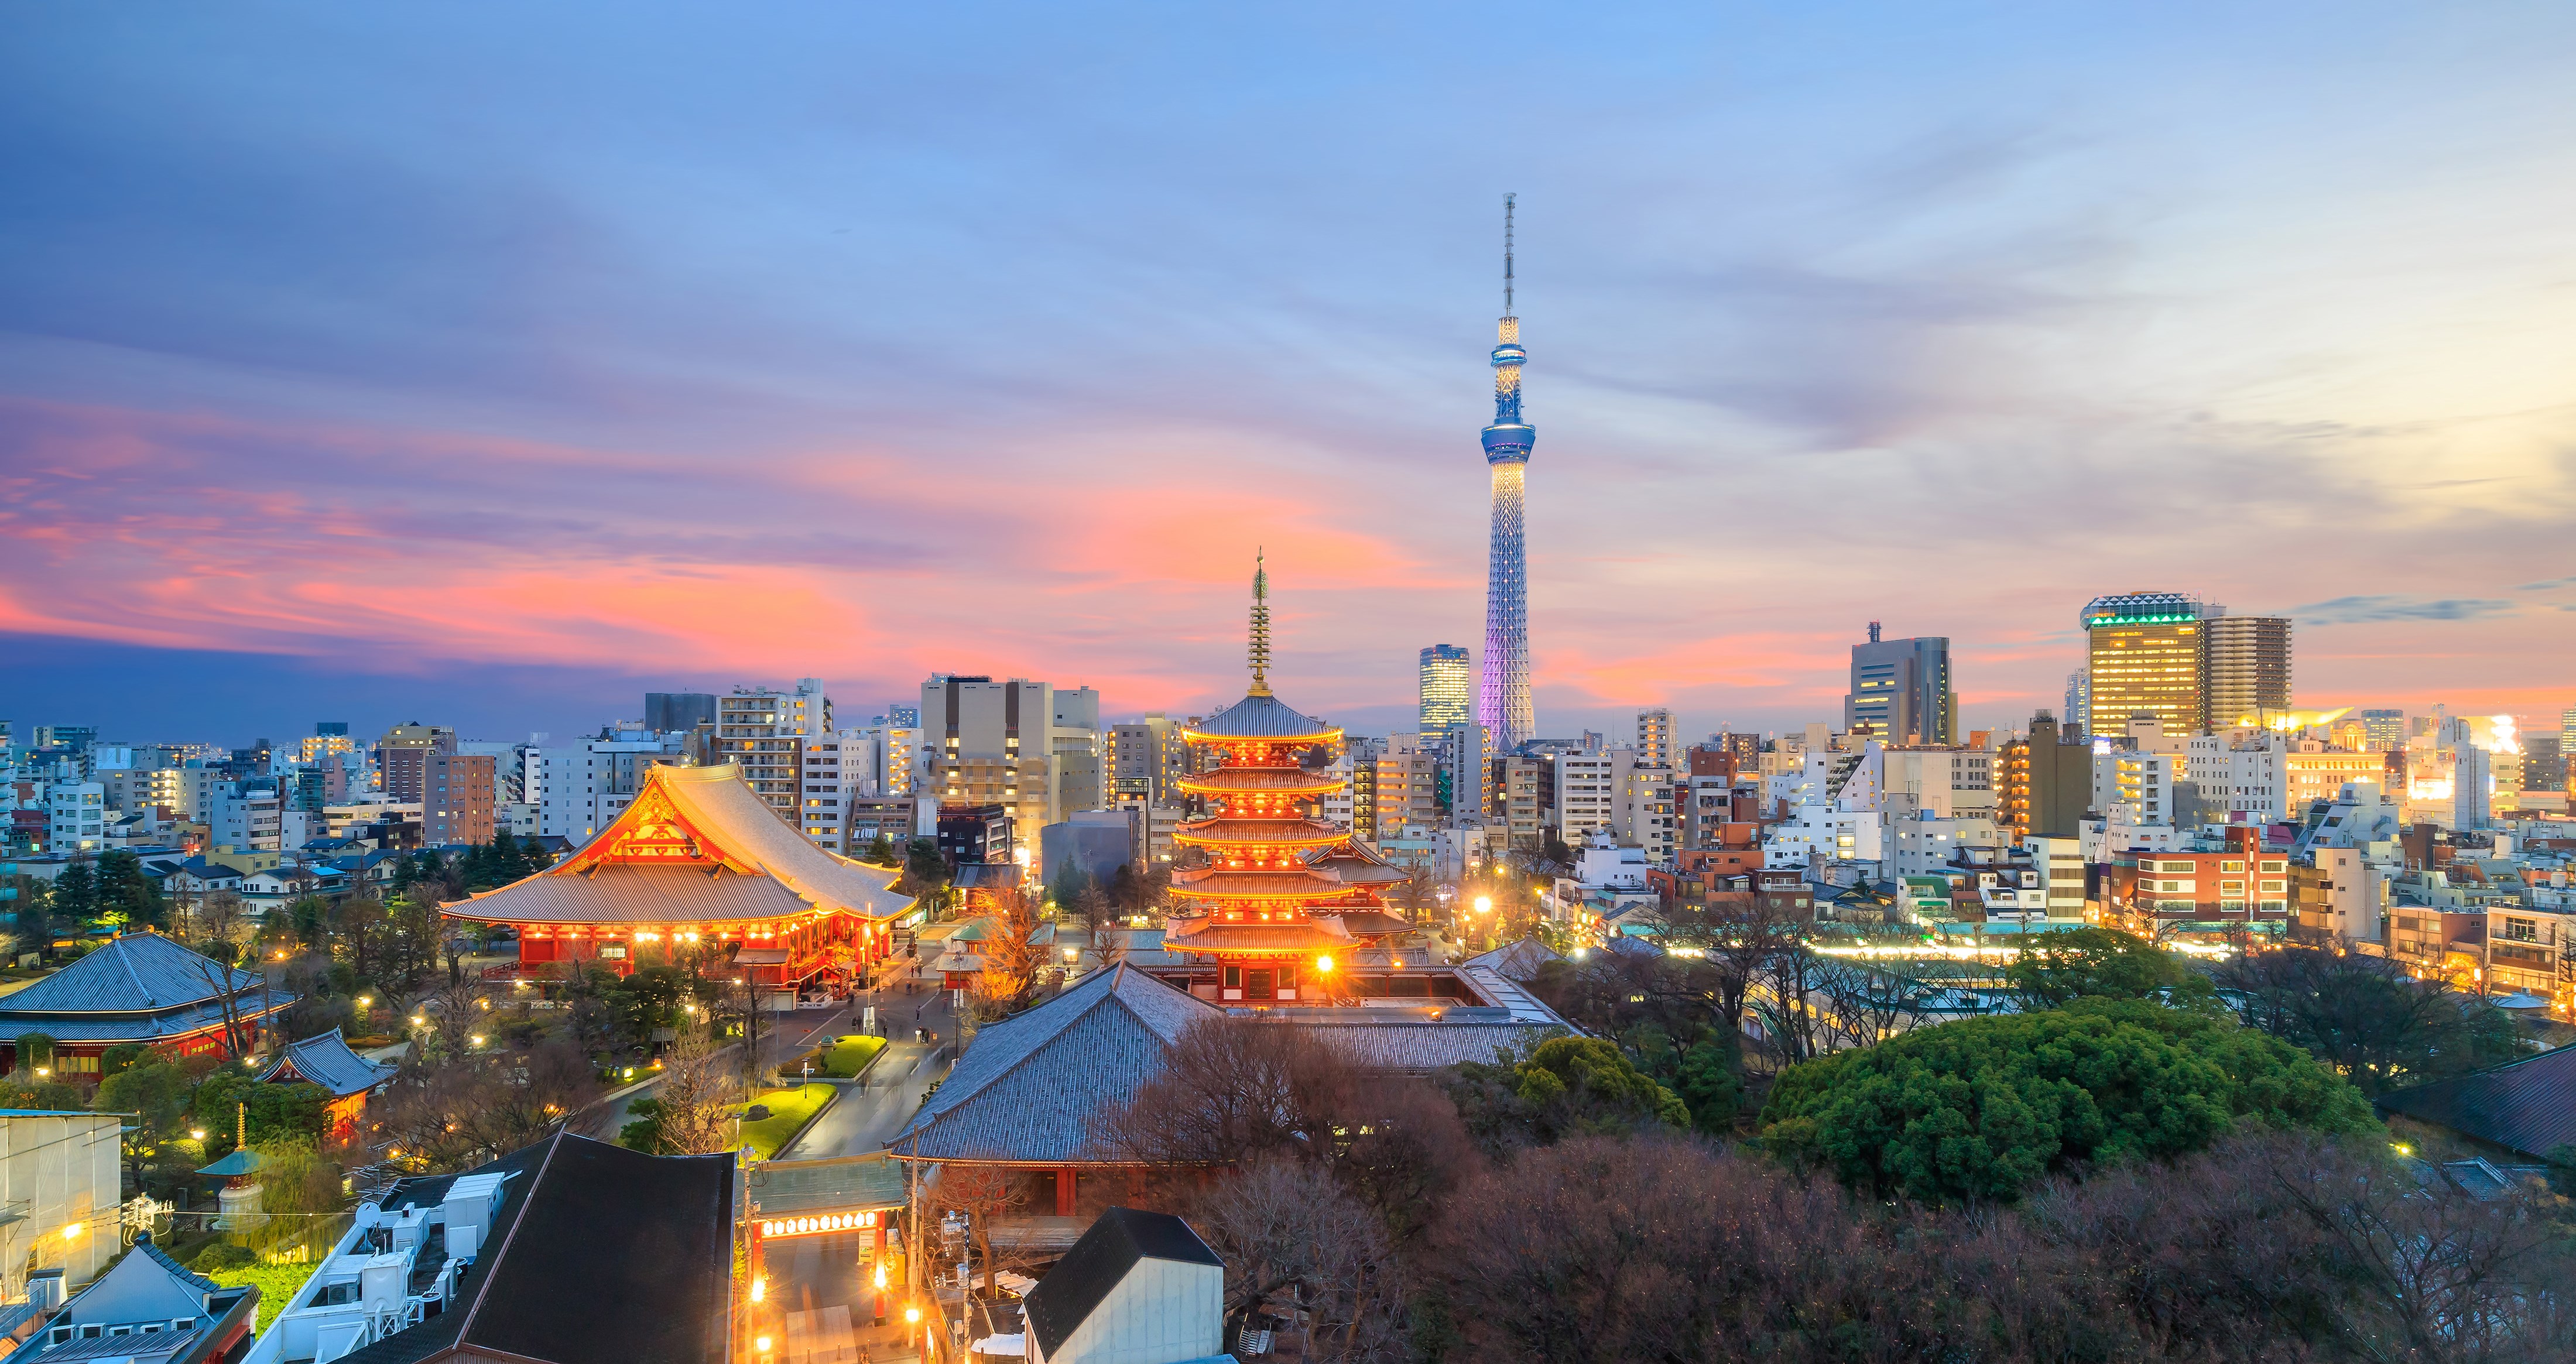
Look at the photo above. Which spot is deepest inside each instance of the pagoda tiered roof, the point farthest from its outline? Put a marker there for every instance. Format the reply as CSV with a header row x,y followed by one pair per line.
x,y
697,845
1256,831
1264,717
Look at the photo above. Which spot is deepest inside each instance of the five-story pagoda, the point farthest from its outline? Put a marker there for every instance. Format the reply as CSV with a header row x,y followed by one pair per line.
x,y
1276,926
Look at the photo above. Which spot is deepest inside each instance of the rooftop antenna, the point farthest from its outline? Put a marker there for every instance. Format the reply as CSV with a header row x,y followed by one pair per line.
x,y
1507,253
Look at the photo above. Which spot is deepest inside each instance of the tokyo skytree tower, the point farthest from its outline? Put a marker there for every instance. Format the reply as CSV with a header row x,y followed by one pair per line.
x,y
1503,680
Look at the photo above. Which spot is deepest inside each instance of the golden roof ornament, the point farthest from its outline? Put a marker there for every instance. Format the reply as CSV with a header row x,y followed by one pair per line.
x,y
1260,626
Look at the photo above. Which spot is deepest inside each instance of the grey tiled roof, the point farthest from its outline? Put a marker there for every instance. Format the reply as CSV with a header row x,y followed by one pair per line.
x,y
136,973
2527,1106
1517,961
1027,1087
1419,1047
327,1061
144,1028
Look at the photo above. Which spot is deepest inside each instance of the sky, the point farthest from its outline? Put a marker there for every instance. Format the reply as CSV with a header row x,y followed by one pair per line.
x,y
492,364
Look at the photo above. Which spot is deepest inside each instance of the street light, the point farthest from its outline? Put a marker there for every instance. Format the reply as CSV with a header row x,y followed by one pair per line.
x,y
1484,904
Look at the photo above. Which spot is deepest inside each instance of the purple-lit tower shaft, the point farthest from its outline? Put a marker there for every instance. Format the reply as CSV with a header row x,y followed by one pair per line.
x,y
1503,679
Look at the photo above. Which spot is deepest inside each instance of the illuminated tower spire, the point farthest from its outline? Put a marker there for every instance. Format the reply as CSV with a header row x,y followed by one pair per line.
x,y
1503,681
1260,626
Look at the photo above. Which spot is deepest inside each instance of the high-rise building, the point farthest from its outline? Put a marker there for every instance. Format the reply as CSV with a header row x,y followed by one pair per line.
x,y
2383,730
2144,656
2042,784
1656,746
1503,685
457,798
2079,695
1028,746
1900,689
764,732
2244,670
668,712
402,756
1448,694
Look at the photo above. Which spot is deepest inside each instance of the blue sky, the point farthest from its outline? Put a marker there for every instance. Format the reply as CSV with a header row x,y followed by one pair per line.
x,y
361,360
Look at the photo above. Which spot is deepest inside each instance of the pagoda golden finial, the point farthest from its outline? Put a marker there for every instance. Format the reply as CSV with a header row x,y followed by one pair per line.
x,y
1260,626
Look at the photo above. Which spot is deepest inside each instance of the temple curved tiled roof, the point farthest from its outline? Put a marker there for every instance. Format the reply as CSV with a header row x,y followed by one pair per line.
x,y
696,845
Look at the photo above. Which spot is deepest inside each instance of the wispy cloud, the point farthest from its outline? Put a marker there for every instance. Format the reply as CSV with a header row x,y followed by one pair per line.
x,y
2356,610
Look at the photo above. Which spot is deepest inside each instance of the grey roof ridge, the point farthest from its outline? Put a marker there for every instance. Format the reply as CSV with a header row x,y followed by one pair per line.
x,y
931,1113
125,958
944,1104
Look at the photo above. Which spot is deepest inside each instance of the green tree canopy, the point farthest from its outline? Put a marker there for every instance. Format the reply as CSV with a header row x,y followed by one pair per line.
x,y
2099,963
156,1091
1981,1108
1566,1086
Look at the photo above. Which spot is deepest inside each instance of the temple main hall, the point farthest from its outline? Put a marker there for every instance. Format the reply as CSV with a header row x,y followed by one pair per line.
x,y
699,866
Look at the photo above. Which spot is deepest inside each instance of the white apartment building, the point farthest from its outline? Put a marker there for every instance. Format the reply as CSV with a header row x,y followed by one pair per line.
x,y
586,788
1649,812
2142,785
75,816
1946,782
1920,843
1589,788
1825,833
244,818
838,769
2357,882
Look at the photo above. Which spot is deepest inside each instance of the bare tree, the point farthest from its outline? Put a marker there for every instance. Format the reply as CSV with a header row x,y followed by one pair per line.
x,y
1863,1005
455,1112
984,1194
697,1095
1299,1250
1232,1089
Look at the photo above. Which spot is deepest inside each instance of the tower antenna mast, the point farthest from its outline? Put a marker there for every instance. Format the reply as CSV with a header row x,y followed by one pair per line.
x,y
1507,253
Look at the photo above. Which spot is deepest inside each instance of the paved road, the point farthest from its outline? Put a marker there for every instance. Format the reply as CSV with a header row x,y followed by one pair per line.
x,y
871,1111
860,1122
783,1037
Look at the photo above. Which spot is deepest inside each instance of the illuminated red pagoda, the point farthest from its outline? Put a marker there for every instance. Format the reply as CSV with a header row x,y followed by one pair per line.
x,y
1281,898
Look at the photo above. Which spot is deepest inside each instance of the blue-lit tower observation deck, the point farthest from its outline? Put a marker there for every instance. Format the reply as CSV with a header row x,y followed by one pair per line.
x,y
1503,678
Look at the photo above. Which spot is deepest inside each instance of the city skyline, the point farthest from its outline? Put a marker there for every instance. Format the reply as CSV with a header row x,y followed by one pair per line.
x,y
310,412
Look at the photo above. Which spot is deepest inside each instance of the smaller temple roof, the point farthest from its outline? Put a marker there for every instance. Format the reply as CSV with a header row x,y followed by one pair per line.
x,y
327,1061
242,1161
1516,961
1261,716
137,973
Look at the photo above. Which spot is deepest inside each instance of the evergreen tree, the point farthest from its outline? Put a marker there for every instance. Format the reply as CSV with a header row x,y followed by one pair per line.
x,y
123,889
76,893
